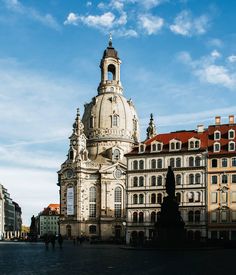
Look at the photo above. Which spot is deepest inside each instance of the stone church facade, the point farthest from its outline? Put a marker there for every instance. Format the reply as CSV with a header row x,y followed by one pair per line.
x,y
92,180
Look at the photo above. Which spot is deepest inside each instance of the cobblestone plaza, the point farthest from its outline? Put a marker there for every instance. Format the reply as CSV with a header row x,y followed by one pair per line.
x,y
87,259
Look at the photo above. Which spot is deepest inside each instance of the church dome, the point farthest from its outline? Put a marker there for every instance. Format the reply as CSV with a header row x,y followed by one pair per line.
x,y
110,116
110,119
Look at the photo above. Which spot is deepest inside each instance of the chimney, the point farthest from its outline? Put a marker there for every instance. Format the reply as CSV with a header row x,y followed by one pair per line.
x,y
231,119
200,128
217,120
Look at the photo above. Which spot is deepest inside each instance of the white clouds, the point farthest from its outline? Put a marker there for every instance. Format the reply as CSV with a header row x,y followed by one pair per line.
x,y
215,54
232,58
215,42
186,25
31,13
126,33
209,72
148,4
105,20
116,4
151,24
218,75
72,19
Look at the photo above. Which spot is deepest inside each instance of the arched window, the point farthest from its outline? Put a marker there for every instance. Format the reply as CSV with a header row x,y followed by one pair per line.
x,y
224,179
141,199
135,181
172,162
116,154
154,147
153,217
197,179
111,72
141,181
197,161
71,155
135,217
118,199
172,146
115,119
217,135
178,179
153,198
178,197
190,216
191,179
92,229
141,164
140,217
231,146
197,216
190,197
135,199
153,181
197,144
216,147
159,180
214,163
224,162
231,134
159,198
135,165
159,163
198,197
91,122
177,145
178,162
153,164
191,161
191,145
92,202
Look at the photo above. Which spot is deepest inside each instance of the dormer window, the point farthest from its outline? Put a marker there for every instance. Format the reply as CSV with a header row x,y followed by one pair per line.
x,y
231,146
142,148
231,134
193,144
156,147
217,135
216,147
175,145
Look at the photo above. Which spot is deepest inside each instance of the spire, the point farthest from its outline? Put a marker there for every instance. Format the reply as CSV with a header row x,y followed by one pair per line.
x,y
110,40
151,130
78,126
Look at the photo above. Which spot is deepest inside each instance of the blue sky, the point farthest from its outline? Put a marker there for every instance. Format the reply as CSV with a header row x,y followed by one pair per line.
x,y
178,61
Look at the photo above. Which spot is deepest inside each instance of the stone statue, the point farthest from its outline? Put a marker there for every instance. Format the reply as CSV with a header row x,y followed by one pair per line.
x,y
170,183
170,225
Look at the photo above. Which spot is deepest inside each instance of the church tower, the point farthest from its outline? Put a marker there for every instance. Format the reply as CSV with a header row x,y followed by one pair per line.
x,y
92,179
110,120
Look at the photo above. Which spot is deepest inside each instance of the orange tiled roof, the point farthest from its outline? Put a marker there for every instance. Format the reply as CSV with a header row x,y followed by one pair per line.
x,y
182,136
224,140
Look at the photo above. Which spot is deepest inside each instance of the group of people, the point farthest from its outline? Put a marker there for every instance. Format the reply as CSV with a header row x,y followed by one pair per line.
x,y
51,238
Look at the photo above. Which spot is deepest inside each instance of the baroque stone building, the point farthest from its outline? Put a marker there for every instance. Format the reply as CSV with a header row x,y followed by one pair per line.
x,y
92,179
185,151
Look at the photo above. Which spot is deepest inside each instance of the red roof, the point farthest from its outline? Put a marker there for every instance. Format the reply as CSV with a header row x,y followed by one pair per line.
x,y
224,139
182,136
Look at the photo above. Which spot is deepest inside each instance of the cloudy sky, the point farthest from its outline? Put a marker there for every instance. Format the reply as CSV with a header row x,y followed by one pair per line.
x,y
178,61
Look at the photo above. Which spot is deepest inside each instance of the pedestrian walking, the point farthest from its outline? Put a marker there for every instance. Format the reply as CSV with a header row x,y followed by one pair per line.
x,y
60,240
